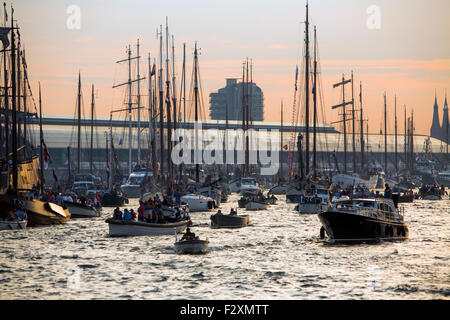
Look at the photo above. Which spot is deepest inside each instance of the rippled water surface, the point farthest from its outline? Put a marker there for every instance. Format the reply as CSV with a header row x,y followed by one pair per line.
x,y
279,257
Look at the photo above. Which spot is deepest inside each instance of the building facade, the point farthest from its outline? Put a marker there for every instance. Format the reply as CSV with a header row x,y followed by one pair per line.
x,y
228,100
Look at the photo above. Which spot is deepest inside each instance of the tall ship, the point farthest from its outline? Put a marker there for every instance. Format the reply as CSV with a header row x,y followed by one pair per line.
x,y
21,167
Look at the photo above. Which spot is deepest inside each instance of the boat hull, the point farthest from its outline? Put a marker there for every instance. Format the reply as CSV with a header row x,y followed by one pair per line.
x,y
346,227
198,204
310,208
109,200
12,225
253,205
120,228
228,221
192,246
81,211
38,212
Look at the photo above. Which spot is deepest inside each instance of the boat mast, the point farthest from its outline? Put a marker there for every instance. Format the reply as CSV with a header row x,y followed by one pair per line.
x,y
243,114
247,158
92,132
173,87
404,143
169,112
307,91
315,106
138,106
361,125
395,114
385,136
41,139
280,179
130,103
197,166
151,138
161,106
353,128
79,124
6,94
18,89
14,107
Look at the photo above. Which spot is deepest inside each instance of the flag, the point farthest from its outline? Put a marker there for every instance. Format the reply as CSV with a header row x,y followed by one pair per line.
x,y
153,70
4,31
120,141
296,77
46,157
285,147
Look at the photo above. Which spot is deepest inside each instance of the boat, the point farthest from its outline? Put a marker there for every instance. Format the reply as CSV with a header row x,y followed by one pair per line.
x,y
11,225
256,205
249,186
406,197
38,212
443,178
198,202
278,189
220,220
118,228
195,246
361,220
132,188
316,200
113,199
78,210
354,179
427,192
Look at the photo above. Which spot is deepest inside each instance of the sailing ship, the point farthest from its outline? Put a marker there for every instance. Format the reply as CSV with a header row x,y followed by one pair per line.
x,y
18,158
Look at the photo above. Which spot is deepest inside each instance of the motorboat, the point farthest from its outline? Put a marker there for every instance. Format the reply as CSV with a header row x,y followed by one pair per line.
x,y
190,246
197,202
315,201
113,199
220,220
79,210
361,220
132,188
249,186
119,228
443,178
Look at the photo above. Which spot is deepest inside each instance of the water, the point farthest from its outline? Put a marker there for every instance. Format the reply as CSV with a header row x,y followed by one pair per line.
x,y
279,257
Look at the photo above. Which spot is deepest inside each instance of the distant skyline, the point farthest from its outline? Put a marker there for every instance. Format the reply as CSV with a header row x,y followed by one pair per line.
x,y
405,53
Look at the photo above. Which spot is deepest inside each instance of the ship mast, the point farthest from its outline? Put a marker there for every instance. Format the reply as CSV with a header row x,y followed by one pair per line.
x,y
14,106
92,132
353,128
79,124
395,129
307,90
280,179
197,166
41,139
168,107
161,106
138,106
315,106
361,125
385,136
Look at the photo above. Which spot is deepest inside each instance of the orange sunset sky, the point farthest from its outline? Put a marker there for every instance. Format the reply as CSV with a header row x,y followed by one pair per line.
x,y
407,54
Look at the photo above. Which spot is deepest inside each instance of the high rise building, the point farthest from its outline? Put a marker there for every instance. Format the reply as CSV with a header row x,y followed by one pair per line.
x,y
230,98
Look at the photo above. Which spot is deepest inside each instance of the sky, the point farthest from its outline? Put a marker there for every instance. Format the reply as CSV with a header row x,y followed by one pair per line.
x,y
400,47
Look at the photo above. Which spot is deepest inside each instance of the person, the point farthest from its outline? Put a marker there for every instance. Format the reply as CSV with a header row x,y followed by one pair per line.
x,y
188,235
387,191
141,211
12,215
233,212
117,215
219,212
177,197
133,214
126,215
21,214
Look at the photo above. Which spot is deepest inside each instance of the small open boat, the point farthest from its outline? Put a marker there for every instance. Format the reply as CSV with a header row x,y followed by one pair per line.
x,y
78,210
11,225
118,228
192,246
256,205
229,221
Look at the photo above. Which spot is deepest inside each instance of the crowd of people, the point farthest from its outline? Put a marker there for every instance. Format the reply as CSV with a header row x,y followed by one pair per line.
x,y
154,212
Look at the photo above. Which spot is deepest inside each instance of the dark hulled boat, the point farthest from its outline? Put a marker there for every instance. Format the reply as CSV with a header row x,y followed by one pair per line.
x,y
361,220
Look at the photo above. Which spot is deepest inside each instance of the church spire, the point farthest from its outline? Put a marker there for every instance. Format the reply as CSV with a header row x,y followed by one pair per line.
x,y
436,130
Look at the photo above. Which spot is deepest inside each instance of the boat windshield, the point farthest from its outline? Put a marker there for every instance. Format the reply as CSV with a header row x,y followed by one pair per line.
x,y
135,180
249,181
355,204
